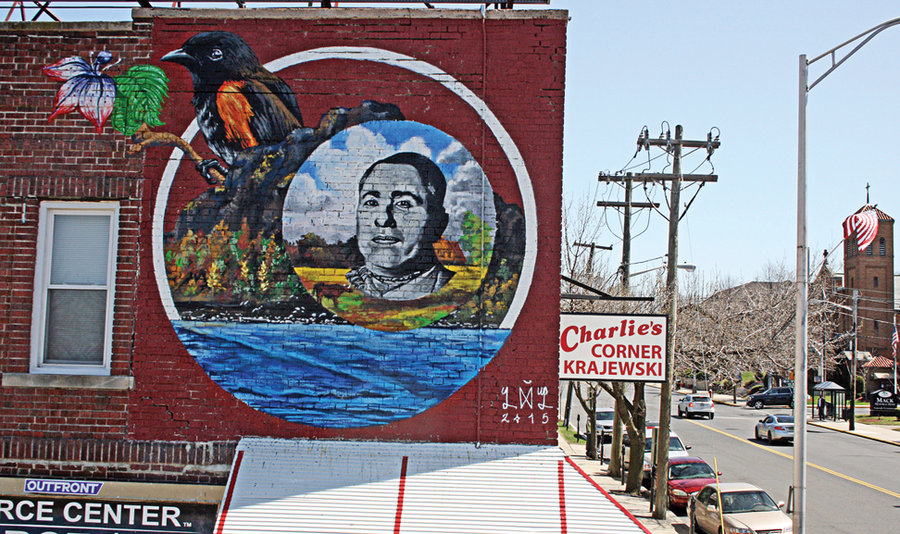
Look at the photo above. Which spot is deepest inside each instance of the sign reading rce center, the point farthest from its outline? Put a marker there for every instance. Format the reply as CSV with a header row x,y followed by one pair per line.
x,y
629,348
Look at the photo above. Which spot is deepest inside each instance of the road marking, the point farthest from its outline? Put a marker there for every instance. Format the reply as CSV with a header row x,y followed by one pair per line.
x,y
810,464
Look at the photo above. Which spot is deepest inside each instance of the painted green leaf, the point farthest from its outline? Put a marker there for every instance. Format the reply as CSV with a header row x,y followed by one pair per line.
x,y
139,98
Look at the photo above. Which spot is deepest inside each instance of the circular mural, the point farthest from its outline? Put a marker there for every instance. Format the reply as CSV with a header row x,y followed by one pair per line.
x,y
353,279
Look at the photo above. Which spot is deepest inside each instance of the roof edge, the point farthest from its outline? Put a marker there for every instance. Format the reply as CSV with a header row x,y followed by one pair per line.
x,y
307,13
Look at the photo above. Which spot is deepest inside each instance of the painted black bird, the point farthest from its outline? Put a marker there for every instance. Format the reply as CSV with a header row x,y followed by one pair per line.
x,y
239,104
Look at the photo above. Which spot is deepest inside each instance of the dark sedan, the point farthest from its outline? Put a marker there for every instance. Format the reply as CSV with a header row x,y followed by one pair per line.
x,y
779,396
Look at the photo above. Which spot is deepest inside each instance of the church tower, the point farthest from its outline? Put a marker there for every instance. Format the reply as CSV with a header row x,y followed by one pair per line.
x,y
871,272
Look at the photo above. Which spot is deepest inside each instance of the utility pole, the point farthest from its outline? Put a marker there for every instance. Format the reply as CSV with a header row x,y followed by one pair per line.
x,y
665,394
590,271
658,504
616,462
853,363
592,246
660,492
626,238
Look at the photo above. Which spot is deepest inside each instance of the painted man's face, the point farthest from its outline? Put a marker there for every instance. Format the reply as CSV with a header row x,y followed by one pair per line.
x,y
391,218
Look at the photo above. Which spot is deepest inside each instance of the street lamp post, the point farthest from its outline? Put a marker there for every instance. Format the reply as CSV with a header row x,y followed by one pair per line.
x,y
800,350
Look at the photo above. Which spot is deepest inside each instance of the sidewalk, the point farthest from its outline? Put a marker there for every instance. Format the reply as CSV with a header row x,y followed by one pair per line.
x,y
639,507
884,434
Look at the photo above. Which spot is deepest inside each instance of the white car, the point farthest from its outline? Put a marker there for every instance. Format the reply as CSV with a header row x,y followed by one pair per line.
x,y
677,448
696,404
605,419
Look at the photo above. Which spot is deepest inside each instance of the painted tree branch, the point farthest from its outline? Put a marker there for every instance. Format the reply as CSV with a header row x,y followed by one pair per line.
x,y
144,137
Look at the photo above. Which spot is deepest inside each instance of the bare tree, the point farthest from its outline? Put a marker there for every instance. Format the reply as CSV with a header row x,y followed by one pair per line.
x,y
725,329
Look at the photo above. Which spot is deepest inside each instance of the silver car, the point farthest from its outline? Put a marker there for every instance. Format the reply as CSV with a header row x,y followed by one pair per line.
x,y
696,404
775,428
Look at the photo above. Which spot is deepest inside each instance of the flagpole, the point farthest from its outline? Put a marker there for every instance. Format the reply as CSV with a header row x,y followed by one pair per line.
x,y
894,342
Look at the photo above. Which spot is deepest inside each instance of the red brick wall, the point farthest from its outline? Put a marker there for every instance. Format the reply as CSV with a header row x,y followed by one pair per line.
x,y
517,66
875,303
514,63
61,160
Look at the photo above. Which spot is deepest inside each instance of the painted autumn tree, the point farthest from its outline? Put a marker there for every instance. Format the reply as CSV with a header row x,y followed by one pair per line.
x,y
229,266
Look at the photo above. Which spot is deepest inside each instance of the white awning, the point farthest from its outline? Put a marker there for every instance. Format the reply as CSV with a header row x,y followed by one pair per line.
x,y
313,486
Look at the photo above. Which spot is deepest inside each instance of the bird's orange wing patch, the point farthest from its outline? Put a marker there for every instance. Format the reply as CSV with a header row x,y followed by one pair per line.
x,y
236,113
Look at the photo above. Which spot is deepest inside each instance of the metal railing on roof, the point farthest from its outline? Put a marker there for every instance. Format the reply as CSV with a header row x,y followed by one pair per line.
x,y
37,8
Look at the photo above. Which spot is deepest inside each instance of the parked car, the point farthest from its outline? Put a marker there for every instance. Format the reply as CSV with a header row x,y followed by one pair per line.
x,y
605,418
696,404
687,476
775,428
745,507
648,428
772,397
677,449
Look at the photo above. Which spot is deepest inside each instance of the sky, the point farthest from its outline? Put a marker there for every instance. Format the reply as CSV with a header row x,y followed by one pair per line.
x,y
731,68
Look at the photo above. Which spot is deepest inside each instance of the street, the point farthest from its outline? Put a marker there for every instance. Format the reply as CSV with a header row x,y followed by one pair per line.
x,y
853,483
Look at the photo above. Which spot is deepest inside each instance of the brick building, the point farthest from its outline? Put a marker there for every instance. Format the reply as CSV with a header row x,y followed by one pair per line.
x,y
871,273
225,276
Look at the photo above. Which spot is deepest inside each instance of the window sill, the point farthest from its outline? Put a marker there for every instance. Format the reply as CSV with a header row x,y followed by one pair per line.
x,y
27,380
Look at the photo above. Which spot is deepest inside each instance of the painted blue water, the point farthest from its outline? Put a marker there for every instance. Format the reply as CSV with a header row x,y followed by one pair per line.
x,y
338,376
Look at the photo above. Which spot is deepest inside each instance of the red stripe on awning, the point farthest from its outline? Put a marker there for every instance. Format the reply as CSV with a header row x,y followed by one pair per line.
x,y
227,503
562,500
400,494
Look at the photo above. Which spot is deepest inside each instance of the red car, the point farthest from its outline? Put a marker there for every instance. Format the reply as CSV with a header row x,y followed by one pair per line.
x,y
687,475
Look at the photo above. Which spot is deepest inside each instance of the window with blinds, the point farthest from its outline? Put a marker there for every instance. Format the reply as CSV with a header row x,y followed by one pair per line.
x,y
74,288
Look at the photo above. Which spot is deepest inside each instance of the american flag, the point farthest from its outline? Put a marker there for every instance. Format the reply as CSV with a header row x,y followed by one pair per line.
x,y
865,224
895,340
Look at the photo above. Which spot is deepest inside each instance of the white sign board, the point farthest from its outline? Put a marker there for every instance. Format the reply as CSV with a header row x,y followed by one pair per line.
x,y
630,348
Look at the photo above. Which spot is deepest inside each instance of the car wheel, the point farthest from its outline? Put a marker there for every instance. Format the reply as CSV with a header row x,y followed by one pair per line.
x,y
680,414
791,405
711,416
758,405
770,438
756,432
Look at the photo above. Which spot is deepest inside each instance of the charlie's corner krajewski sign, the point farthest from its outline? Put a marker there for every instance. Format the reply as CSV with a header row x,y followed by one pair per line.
x,y
612,347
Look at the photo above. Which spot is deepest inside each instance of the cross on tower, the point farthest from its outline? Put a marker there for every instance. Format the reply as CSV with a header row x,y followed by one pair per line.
x,y
867,192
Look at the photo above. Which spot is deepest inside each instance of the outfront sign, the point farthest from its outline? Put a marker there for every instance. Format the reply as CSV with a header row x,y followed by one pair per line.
x,y
630,348
62,487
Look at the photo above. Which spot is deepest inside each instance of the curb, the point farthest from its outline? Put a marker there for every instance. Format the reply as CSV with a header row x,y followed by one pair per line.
x,y
854,433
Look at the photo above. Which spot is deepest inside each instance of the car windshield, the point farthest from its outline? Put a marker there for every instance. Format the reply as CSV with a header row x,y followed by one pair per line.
x,y
740,502
675,444
605,416
784,418
690,470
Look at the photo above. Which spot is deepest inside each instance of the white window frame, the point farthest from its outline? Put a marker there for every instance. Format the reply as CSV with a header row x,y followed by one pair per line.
x,y
48,211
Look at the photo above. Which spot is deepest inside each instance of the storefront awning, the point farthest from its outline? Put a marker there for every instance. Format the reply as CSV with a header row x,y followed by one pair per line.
x,y
313,486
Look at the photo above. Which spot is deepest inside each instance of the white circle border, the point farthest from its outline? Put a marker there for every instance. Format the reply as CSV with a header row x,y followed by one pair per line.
x,y
398,60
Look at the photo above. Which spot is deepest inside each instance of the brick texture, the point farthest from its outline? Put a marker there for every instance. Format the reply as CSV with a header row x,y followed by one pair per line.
x,y
177,423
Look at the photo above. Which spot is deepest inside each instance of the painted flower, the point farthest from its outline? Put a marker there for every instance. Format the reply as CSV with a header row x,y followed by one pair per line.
x,y
86,88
